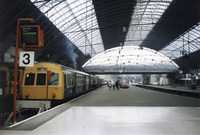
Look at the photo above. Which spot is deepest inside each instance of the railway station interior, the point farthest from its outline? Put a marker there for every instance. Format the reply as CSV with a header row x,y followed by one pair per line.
x,y
99,67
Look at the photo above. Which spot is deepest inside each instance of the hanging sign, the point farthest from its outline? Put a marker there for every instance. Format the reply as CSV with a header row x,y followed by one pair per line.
x,y
26,59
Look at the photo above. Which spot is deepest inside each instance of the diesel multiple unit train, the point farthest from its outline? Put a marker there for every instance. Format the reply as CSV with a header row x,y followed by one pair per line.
x,y
47,81
64,82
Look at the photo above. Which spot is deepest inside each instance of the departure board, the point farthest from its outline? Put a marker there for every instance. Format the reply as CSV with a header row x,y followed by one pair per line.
x,y
29,36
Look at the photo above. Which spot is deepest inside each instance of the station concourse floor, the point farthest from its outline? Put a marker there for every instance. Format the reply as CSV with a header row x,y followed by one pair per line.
x,y
120,112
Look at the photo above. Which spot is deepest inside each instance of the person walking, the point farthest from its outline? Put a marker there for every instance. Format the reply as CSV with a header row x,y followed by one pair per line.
x,y
113,86
117,85
110,85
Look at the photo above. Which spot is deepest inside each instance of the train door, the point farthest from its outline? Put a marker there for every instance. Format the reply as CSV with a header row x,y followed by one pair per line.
x,y
40,85
65,84
75,83
79,83
90,85
98,82
68,89
92,82
87,83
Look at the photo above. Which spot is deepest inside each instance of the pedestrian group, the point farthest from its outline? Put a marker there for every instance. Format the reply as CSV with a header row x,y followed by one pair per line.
x,y
113,85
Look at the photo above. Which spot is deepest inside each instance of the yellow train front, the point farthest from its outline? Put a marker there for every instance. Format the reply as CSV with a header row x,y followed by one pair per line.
x,y
64,82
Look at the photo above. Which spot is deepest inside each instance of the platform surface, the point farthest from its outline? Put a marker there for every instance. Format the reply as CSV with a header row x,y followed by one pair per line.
x,y
124,112
178,87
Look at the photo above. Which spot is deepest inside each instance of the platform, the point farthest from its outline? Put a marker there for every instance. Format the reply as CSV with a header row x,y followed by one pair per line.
x,y
178,90
124,112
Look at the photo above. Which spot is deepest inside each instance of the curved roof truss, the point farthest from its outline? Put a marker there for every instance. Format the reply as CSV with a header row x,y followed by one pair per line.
x,y
130,59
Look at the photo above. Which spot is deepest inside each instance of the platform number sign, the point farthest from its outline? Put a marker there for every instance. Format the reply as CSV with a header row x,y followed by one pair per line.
x,y
26,59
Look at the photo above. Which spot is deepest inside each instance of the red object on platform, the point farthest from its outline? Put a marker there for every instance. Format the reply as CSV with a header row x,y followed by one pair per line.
x,y
124,86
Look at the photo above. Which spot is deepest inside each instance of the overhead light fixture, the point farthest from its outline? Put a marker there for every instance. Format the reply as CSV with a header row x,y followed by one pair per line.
x,y
121,71
180,71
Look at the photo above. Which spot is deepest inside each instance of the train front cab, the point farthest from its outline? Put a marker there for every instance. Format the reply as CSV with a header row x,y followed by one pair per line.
x,y
35,82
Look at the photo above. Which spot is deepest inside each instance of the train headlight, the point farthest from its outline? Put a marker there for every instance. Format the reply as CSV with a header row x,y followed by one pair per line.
x,y
54,94
27,94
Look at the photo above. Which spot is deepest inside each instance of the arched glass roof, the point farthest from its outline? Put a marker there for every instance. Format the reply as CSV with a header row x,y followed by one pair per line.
x,y
130,59
77,20
146,14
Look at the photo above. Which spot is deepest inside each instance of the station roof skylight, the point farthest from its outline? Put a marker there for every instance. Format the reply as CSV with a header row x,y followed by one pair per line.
x,y
185,44
145,15
76,19
130,59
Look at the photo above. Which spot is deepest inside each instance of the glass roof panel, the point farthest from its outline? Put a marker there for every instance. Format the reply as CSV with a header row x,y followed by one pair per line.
x,y
130,59
184,44
75,18
145,16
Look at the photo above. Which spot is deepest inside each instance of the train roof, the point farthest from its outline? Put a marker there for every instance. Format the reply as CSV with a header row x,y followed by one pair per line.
x,y
63,67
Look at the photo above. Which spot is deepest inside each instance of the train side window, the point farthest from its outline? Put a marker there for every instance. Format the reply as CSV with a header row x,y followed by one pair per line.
x,y
69,80
30,78
65,80
72,81
78,79
54,79
81,80
41,79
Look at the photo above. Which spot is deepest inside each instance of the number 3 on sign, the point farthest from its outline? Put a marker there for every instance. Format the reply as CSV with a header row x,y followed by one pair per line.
x,y
26,59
